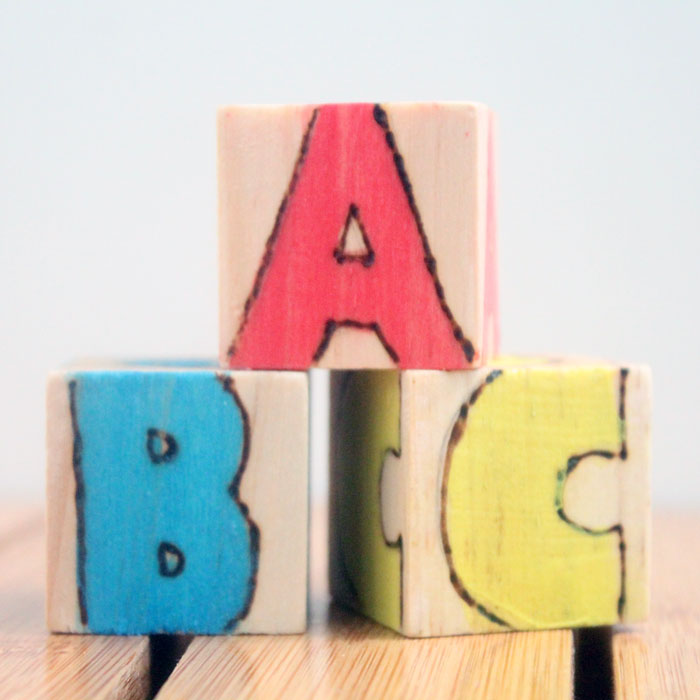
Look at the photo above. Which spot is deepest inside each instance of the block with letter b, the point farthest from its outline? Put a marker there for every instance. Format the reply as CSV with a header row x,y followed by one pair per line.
x,y
514,496
177,500
357,236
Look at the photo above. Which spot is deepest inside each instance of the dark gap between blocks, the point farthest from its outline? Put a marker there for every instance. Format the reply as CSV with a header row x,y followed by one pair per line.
x,y
165,652
593,665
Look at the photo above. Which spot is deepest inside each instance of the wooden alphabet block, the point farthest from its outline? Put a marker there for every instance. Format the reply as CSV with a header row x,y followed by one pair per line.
x,y
177,500
509,497
357,236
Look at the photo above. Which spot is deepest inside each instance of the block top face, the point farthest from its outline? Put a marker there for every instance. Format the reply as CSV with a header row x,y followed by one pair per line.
x,y
159,364
357,236
550,363
115,367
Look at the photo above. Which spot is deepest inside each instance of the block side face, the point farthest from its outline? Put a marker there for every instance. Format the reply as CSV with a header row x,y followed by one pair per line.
x,y
635,490
286,171
169,543
365,550
276,489
62,609
339,585
491,336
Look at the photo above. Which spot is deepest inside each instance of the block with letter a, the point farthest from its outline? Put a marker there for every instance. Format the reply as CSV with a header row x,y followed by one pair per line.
x,y
357,236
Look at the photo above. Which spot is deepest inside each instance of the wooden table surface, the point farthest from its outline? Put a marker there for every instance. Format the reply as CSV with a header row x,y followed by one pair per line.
x,y
343,656
34,664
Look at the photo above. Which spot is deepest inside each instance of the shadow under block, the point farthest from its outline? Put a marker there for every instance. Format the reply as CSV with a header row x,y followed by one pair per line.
x,y
177,500
357,236
509,497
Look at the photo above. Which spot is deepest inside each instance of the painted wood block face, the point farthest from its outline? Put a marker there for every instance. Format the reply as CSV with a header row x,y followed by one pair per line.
x,y
514,496
357,236
177,500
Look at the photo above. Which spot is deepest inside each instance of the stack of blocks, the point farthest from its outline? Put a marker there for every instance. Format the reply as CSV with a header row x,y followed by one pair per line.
x,y
469,493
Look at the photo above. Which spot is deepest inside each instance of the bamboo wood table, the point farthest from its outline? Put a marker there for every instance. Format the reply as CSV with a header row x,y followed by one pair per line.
x,y
343,656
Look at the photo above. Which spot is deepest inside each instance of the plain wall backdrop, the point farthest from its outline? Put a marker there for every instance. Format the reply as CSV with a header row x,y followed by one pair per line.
x,y
108,178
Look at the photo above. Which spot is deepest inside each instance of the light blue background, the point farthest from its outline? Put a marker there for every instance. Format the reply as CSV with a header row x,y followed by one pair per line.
x,y
132,505
108,177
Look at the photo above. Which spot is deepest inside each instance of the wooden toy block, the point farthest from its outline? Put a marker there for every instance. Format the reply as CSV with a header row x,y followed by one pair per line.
x,y
514,496
177,500
357,236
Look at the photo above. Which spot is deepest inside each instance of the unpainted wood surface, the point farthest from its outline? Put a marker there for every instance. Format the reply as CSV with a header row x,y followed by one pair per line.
x,y
662,658
344,656
34,664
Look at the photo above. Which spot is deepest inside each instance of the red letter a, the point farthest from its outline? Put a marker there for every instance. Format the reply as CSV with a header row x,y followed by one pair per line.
x,y
348,167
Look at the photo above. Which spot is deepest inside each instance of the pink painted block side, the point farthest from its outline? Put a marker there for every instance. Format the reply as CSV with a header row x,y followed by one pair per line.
x,y
491,333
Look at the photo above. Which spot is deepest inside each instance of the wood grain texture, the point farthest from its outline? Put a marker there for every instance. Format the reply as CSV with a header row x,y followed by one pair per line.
x,y
34,664
177,500
302,189
661,659
343,656
514,496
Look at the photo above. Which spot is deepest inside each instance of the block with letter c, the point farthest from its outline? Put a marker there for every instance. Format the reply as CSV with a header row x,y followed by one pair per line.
x,y
515,497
